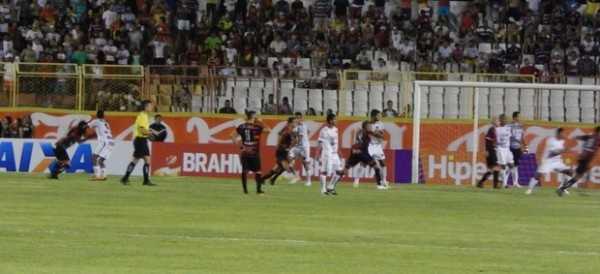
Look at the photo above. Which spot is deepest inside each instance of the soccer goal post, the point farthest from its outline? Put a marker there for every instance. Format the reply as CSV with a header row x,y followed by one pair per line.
x,y
450,119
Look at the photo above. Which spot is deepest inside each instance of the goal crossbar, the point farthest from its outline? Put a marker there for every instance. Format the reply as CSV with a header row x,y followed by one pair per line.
x,y
417,109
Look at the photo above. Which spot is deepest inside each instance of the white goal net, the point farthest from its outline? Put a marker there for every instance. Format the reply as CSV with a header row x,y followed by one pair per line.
x,y
451,118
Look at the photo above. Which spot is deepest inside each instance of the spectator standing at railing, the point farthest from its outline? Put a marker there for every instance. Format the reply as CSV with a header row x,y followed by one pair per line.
x,y
285,107
269,107
227,108
25,127
389,111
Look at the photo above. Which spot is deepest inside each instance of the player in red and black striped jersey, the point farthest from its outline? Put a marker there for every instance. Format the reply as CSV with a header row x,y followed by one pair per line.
x,y
491,158
589,149
359,154
75,135
249,132
287,139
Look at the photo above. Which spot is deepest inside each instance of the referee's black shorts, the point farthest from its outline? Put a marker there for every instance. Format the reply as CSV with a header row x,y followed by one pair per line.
x,y
250,163
140,147
60,152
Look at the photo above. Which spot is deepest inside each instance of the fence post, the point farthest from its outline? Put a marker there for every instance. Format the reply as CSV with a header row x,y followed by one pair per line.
x,y
342,94
13,87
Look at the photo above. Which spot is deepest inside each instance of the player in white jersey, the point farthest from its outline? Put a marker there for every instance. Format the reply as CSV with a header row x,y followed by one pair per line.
x,y
104,147
329,158
517,145
503,154
552,160
376,131
301,151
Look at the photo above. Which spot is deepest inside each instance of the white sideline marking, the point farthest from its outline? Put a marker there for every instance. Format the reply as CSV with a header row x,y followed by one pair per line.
x,y
316,242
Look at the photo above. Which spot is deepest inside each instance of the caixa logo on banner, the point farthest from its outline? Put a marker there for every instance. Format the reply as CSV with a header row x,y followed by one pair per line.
x,y
36,155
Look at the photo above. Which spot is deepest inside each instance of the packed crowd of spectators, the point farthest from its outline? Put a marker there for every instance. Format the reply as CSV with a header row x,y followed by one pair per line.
x,y
547,38
16,128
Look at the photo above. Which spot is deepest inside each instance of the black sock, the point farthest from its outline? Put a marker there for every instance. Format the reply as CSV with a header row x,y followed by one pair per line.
x,y
60,167
245,181
496,178
378,176
259,182
568,184
484,178
276,175
146,171
130,168
269,175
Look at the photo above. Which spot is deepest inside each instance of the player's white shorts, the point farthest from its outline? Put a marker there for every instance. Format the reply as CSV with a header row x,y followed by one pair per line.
x,y
504,156
376,152
300,152
330,164
104,149
551,165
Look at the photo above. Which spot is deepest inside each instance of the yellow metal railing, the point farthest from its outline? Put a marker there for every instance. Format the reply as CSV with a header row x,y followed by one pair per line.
x,y
71,86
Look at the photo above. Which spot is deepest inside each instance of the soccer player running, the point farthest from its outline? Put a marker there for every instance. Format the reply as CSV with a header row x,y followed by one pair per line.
x,y
375,130
104,147
286,140
491,157
329,159
590,146
141,133
301,151
249,132
517,146
552,160
359,154
62,162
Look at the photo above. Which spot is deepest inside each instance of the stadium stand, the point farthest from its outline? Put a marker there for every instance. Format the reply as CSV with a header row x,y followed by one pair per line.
x,y
197,54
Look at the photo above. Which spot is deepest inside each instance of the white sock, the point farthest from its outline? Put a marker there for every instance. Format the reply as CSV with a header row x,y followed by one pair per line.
x,y
308,174
515,176
532,182
103,172
323,183
505,177
358,171
384,175
334,179
97,171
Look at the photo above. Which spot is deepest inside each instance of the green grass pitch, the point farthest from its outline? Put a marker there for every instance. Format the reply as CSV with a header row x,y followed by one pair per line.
x,y
203,225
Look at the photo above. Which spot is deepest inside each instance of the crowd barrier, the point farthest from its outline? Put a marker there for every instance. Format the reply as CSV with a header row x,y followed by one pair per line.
x,y
203,89
200,145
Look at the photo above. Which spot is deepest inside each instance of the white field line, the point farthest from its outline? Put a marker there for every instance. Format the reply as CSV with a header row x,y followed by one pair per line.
x,y
320,242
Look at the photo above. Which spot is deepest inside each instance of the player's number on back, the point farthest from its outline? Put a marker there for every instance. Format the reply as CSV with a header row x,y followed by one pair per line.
x,y
247,135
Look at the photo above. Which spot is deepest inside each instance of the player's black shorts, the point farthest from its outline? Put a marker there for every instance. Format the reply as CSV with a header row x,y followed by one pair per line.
x,y
583,165
491,159
60,152
140,147
517,153
250,163
282,155
356,158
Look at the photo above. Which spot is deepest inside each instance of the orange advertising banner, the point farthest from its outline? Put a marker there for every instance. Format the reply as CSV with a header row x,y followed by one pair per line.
x,y
446,147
